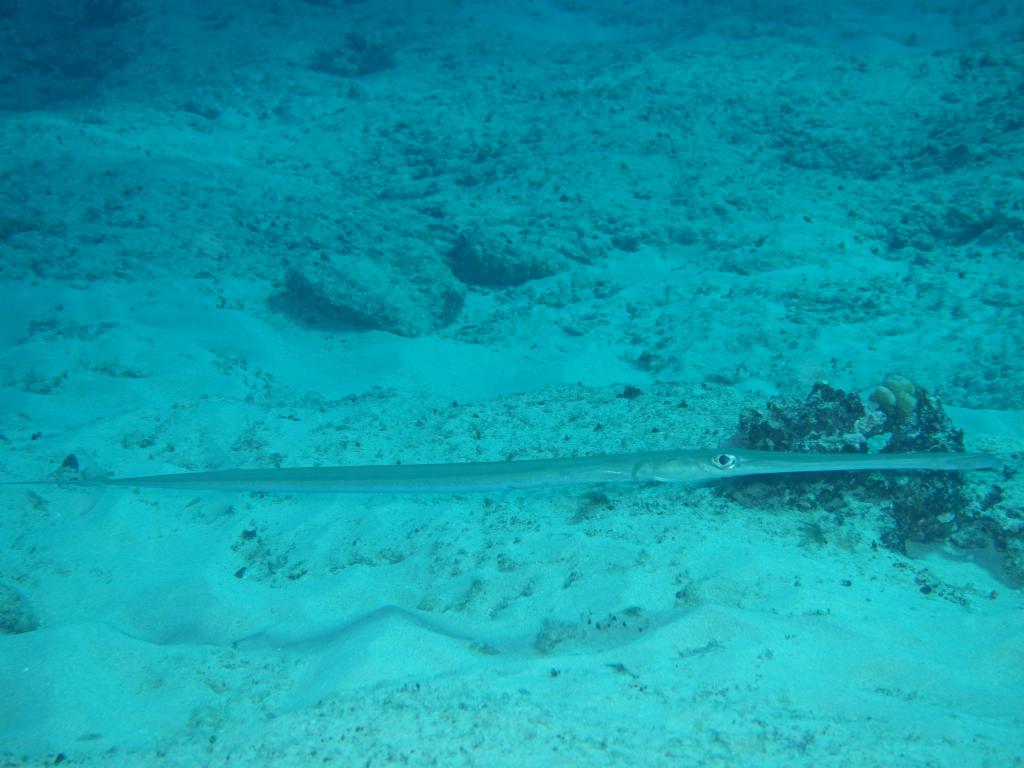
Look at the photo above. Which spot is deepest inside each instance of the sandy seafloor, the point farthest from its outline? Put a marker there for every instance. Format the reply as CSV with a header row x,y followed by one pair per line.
x,y
714,205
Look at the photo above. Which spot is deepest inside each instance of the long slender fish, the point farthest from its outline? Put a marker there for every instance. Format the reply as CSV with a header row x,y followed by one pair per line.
x,y
658,467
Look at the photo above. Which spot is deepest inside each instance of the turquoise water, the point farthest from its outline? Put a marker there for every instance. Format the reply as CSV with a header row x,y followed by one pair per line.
x,y
290,233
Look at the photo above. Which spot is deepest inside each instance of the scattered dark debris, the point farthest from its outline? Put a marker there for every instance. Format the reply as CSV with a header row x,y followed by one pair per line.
x,y
358,56
709,647
618,666
928,584
651,362
590,632
260,562
994,496
590,505
62,52
812,534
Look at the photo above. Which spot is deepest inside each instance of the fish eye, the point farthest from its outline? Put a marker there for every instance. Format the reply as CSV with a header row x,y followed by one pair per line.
x,y
723,461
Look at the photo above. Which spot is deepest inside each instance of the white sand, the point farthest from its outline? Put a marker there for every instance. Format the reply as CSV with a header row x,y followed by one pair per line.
x,y
655,626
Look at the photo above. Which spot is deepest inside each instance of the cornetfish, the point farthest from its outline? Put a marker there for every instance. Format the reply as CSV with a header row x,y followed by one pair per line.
x,y
684,466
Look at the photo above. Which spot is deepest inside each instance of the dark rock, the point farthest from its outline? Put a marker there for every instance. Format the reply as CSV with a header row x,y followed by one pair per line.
x,y
924,506
16,617
829,420
495,261
406,296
